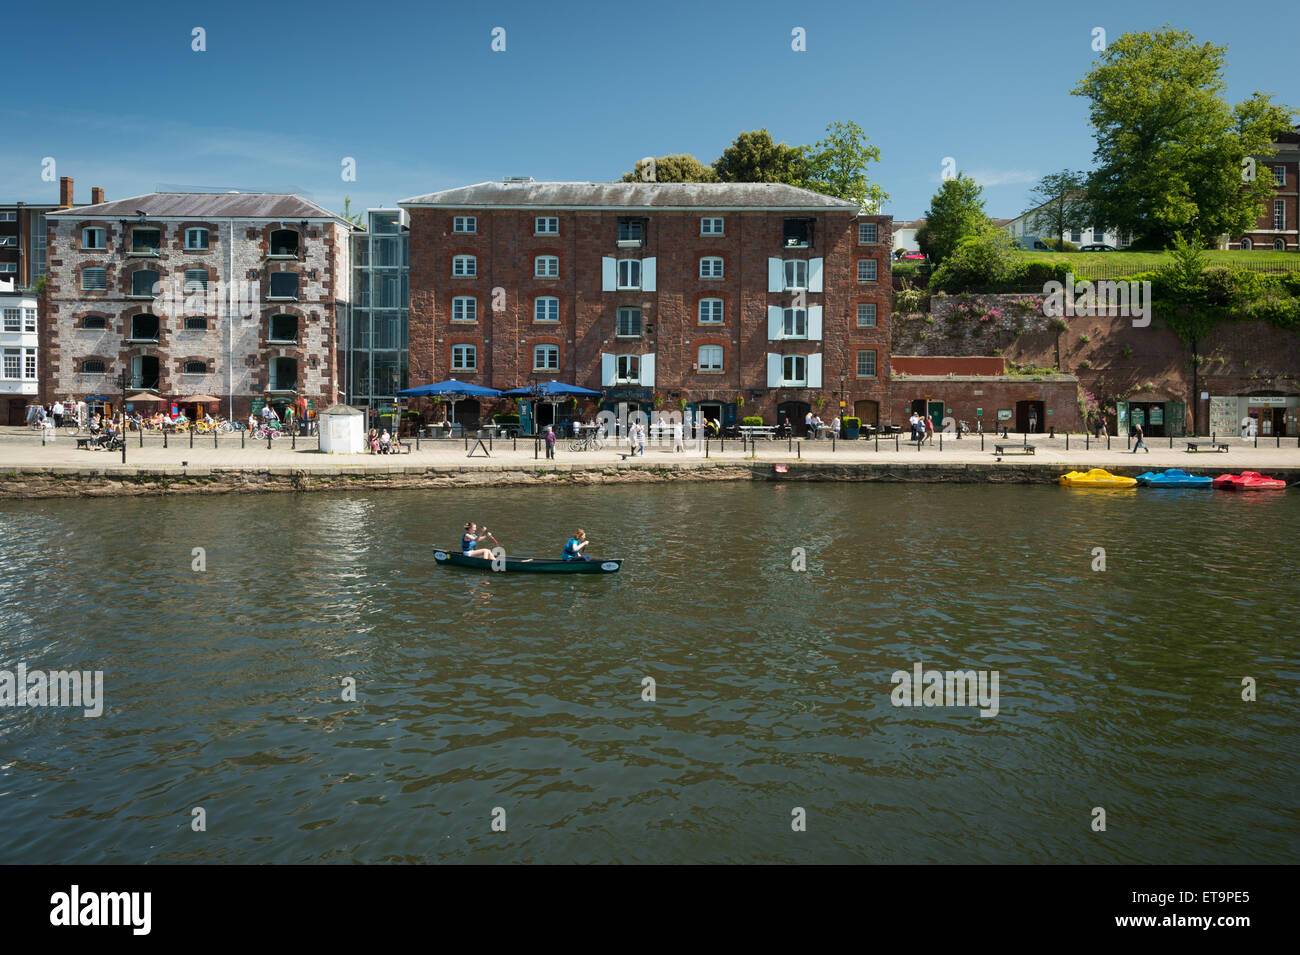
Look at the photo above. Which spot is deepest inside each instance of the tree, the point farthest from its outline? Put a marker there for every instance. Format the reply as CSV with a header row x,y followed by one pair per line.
x,y
956,212
1170,150
1182,300
837,166
1058,204
354,217
679,167
977,263
754,157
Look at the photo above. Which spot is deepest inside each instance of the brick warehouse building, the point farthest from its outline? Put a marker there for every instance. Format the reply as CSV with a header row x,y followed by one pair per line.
x,y
740,298
229,294
1278,227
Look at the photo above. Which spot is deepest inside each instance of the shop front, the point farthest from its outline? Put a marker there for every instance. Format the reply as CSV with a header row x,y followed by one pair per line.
x,y
1251,416
1159,419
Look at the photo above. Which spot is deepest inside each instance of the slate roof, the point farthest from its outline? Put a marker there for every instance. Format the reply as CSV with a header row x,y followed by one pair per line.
x,y
205,205
705,196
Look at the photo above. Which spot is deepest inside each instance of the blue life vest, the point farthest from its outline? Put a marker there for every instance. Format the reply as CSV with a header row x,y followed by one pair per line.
x,y
466,544
571,551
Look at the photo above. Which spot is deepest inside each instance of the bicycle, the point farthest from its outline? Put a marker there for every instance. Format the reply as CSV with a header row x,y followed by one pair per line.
x,y
591,441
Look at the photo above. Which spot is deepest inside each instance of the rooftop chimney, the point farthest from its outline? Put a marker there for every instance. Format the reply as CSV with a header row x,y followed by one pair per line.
x,y
96,195
65,192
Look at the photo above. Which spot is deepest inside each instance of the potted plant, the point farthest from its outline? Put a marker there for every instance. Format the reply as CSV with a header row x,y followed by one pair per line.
x,y
754,421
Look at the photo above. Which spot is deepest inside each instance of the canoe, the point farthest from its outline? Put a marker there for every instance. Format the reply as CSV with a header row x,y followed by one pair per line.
x,y
1097,477
1248,481
1173,477
529,565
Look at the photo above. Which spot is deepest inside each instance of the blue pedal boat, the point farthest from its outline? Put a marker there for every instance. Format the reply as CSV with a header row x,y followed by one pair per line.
x,y
1173,477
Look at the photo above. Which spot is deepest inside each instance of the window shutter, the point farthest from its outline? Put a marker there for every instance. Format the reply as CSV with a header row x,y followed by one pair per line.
x,y
608,274
775,321
648,367
814,323
773,370
775,275
815,370
648,274
607,365
814,275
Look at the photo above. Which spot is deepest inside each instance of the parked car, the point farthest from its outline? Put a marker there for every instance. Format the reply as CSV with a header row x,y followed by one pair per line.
x,y
913,256
1032,242
1097,247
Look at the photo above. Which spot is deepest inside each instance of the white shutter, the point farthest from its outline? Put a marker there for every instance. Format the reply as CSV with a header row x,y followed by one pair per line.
x,y
814,275
648,274
608,369
775,323
814,323
815,370
608,274
773,370
648,367
775,275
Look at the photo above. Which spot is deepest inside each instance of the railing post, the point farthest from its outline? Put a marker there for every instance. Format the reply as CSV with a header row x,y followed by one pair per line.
x,y
242,433
293,440
191,436
895,442
1067,441
164,439
214,439
800,452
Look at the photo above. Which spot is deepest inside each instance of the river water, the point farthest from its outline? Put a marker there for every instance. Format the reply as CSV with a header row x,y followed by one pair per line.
x,y
516,698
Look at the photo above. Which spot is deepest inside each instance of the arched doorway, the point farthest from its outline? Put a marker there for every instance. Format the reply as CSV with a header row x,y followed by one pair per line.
x,y
795,411
868,412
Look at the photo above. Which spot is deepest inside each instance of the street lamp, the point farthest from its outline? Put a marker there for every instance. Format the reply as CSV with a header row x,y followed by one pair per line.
x,y
123,380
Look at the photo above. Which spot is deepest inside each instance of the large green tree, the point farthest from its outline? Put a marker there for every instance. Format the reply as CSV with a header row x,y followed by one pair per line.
x,y
837,166
956,212
679,167
1058,204
754,157
1170,149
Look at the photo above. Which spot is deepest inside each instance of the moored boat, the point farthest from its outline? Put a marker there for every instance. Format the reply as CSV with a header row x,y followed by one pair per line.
x,y
528,565
1097,477
1248,481
1173,477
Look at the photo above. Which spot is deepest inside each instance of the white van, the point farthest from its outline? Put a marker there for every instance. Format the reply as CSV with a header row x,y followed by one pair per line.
x,y
1033,243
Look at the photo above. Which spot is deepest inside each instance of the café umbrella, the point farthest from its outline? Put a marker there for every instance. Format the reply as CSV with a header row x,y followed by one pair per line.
x,y
452,389
551,392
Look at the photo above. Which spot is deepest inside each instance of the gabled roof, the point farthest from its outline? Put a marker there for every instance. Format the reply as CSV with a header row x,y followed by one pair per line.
x,y
704,196
205,205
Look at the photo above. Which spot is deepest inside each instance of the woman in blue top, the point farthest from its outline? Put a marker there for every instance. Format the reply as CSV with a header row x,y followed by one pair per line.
x,y
471,538
573,547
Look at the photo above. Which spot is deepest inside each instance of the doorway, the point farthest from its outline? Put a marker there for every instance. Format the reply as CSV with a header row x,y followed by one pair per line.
x,y
868,412
17,412
1030,416
795,411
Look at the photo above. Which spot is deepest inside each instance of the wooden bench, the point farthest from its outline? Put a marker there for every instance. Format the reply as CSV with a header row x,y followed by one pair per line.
x,y
1195,446
84,443
1001,449
399,449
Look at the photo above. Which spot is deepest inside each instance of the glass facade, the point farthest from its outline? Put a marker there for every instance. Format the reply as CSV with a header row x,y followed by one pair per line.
x,y
379,327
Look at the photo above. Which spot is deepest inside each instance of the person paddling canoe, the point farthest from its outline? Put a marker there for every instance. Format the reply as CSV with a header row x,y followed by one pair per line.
x,y
471,538
573,547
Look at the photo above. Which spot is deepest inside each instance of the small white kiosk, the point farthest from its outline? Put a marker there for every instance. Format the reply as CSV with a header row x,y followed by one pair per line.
x,y
343,430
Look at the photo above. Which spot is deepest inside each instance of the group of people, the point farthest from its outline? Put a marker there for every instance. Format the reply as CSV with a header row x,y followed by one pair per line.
x,y
103,431
471,540
922,428
53,416
813,424
382,442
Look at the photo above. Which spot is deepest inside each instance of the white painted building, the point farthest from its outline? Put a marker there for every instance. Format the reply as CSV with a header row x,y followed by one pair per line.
x,y
18,347
1023,225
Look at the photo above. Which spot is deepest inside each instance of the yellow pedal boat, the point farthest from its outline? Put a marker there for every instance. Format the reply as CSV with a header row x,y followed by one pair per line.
x,y
1097,477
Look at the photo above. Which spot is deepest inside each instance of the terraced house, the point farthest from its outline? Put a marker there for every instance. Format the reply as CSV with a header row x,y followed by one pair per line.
x,y
227,294
736,298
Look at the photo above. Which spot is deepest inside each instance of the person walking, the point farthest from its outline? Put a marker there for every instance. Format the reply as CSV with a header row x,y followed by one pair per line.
x,y
1137,428
678,444
807,424
58,413
929,429
1033,420
550,442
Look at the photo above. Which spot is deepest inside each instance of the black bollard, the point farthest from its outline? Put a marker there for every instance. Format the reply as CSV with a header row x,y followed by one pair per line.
x,y
293,440
1067,441
268,439
242,432
214,439
895,443
877,440
800,452
536,448
981,440
789,442
164,440
142,437
940,440
832,444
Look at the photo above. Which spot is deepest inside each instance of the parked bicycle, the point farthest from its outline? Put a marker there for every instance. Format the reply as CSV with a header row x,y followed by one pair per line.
x,y
589,441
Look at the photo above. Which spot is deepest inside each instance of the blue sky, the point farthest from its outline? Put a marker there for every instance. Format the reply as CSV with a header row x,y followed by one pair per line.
x,y
413,92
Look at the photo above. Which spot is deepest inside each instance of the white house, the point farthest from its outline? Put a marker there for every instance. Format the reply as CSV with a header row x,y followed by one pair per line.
x,y
18,345
1023,225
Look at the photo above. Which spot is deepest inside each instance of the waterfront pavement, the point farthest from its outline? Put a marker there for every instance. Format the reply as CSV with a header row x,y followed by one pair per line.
x,y
21,450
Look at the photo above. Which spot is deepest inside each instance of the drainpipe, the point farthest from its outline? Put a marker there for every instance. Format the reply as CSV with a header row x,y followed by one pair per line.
x,y
230,320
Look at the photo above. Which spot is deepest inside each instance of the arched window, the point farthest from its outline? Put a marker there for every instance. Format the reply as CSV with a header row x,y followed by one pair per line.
x,y
546,358
144,328
710,311
284,284
284,328
710,358
94,280
464,358
546,308
546,267
196,238
464,265
143,282
196,280
1247,245
94,321
284,244
1279,244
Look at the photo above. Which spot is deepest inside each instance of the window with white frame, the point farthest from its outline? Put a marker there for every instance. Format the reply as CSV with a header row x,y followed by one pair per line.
x,y
866,270
13,319
710,358
629,323
464,308
94,237
1247,245
464,265
8,240
796,274
794,323
8,216
1279,175
867,363
711,226
29,363
546,358
629,273
13,362
1279,214
29,319
464,358
1279,245
711,267
631,230
1076,236
196,239
464,224
546,309
8,267
868,232
710,311
94,280
866,315
628,368
1098,234
546,225
794,370
546,267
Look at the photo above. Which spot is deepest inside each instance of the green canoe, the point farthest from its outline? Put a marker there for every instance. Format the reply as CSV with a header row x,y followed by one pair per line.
x,y
529,565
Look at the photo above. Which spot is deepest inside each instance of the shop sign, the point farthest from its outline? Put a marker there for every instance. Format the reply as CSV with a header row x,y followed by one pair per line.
x,y
1004,414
